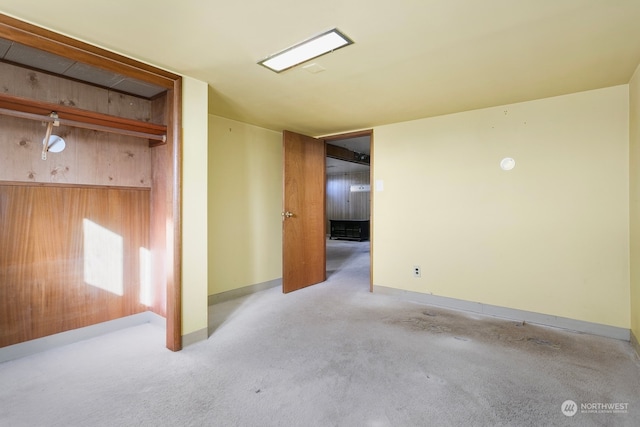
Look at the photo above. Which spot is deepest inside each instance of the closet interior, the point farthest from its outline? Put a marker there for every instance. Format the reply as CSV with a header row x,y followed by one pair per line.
x,y
89,187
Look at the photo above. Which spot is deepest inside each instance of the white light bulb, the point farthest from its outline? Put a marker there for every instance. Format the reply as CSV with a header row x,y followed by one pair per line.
x,y
507,164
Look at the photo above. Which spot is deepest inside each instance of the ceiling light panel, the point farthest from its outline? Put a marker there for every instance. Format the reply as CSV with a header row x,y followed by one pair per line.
x,y
309,49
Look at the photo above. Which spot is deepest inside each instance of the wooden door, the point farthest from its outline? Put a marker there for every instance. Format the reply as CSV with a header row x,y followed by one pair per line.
x,y
303,214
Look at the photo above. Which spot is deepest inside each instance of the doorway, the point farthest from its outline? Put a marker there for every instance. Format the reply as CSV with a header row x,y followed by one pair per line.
x,y
304,215
348,207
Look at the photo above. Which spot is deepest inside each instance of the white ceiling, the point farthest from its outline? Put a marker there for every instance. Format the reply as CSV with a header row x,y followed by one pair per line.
x,y
411,58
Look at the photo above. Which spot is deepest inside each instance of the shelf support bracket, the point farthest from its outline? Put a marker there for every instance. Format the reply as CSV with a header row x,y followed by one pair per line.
x,y
50,125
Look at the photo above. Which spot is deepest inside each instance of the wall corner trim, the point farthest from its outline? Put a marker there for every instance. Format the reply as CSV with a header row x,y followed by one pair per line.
x,y
508,313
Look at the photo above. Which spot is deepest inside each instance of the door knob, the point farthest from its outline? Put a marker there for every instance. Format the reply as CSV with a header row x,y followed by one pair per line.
x,y
287,214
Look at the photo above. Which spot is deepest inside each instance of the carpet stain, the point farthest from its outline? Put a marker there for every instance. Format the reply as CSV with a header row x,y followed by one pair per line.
x,y
488,330
542,342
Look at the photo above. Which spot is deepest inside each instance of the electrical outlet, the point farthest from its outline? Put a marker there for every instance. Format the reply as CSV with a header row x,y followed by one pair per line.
x,y
416,271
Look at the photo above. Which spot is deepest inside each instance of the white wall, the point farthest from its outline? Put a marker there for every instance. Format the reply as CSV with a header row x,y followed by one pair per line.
x,y
550,236
245,201
194,205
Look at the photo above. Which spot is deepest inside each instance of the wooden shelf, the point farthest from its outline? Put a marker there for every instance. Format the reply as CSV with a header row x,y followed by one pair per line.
x,y
75,117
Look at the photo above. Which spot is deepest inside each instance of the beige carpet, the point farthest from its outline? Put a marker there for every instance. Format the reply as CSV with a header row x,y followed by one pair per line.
x,y
329,355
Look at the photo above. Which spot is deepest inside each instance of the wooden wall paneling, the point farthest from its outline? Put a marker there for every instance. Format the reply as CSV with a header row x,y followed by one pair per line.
x,y
70,97
21,141
140,212
63,167
159,109
165,194
133,156
111,218
60,167
84,302
128,106
119,160
31,84
158,224
113,160
92,165
131,217
90,157
344,204
160,164
336,198
15,322
39,268
20,150
42,272
359,202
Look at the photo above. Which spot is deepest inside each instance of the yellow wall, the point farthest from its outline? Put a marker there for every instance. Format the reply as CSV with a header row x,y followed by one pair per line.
x,y
550,236
194,205
245,201
634,197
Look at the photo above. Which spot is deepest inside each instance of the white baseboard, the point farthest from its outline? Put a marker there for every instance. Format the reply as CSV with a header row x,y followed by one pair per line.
x,y
38,345
508,313
244,291
194,337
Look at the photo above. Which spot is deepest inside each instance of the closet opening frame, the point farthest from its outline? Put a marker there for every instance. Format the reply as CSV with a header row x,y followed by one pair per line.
x,y
168,167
